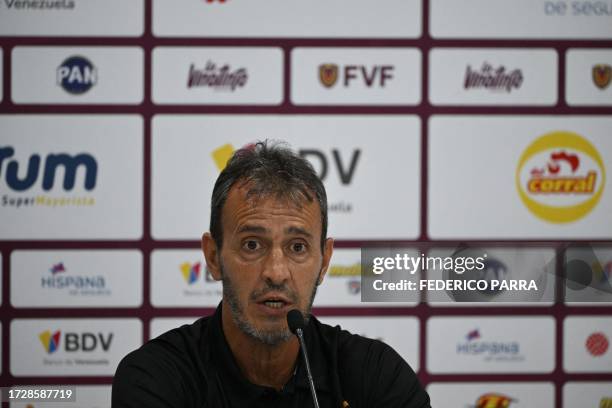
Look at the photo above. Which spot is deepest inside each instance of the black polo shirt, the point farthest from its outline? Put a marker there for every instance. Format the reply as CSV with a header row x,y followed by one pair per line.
x,y
193,367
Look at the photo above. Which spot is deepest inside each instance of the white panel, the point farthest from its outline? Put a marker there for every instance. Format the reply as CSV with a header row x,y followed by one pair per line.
x,y
492,76
342,284
587,394
77,278
401,333
588,276
588,77
75,18
507,264
160,325
475,165
356,76
384,180
586,344
288,19
77,75
217,75
86,347
179,279
536,19
496,394
490,345
104,155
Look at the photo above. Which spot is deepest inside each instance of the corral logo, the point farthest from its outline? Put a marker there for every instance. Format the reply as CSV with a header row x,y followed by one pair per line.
x,y
602,74
71,342
372,76
489,351
27,5
493,79
344,168
76,75
220,78
597,344
493,400
560,177
348,271
45,170
605,403
58,278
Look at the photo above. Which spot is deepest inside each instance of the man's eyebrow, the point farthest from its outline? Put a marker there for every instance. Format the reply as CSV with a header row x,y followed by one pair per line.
x,y
298,231
256,229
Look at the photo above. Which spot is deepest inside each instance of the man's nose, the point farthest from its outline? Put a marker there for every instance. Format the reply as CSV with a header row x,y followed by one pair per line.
x,y
276,269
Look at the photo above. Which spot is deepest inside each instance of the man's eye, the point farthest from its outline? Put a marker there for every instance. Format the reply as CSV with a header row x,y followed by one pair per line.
x,y
298,247
251,245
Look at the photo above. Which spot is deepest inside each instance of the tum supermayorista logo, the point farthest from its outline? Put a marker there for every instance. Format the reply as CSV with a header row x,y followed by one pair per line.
x,y
560,177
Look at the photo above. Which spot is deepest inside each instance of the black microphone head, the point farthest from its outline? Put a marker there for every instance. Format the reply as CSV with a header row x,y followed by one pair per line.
x,y
295,320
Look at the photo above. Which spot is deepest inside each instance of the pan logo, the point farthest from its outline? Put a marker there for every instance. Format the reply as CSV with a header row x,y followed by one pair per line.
x,y
602,74
560,177
21,181
597,344
493,400
191,272
50,341
76,75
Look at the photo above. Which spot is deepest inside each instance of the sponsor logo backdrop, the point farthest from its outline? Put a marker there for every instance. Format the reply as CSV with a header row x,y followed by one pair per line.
x,y
436,125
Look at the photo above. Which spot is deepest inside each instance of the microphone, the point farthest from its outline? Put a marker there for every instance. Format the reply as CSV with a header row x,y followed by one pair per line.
x,y
295,320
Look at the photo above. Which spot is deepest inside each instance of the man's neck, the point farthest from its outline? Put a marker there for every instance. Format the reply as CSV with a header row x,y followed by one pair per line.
x,y
260,363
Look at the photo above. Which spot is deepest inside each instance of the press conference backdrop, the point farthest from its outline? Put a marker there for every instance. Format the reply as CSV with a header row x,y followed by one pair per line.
x,y
424,118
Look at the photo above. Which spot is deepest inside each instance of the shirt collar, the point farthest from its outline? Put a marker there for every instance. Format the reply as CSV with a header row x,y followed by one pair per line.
x,y
223,358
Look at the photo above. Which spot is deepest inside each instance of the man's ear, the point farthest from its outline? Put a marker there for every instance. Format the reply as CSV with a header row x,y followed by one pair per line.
x,y
211,254
328,250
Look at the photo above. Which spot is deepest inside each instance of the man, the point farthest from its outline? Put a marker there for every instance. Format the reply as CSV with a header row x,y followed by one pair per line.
x,y
268,245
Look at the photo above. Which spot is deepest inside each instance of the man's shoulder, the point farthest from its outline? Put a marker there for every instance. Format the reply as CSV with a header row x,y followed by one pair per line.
x,y
178,344
371,371
355,347
166,370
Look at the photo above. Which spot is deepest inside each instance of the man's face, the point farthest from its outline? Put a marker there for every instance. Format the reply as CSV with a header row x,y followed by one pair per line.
x,y
270,262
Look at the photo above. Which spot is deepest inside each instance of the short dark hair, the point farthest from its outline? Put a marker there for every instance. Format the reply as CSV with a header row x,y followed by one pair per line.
x,y
268,168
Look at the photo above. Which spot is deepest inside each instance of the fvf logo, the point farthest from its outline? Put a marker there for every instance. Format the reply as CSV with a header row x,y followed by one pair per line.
x,y
52,162
345,167
376,75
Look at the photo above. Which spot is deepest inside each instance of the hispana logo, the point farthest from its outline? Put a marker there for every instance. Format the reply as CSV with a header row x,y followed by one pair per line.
x,y
560,177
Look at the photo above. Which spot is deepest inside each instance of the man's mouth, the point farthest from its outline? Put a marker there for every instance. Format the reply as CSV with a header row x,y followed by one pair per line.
x,y
275,304
274,301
